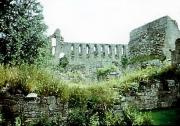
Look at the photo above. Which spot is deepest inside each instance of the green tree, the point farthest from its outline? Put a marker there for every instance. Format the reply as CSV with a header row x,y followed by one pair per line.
x,y
22,31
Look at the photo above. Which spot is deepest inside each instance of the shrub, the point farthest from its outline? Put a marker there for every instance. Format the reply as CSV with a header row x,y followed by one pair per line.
x,y
78,97
124,61
45,121
114,119
63,62
76,117
103,72
135,117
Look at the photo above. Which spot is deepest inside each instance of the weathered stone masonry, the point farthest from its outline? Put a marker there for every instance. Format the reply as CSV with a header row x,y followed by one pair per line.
x,y
151,41
154,40
32,108
87,54
83,52
149,95
160,38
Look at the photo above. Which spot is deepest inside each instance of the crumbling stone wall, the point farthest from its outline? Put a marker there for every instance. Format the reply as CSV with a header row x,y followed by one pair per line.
x,y
153,40
28,109
175,54
90,55
154,94
150,94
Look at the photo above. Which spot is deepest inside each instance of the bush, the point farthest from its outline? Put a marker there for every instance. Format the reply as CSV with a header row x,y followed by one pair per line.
x,y
63,62
103,72
135,117
76,117
114,119
124,61
46,121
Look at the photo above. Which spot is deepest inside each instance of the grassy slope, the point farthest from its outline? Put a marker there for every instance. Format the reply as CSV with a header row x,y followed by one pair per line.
x,y
43,82
34,79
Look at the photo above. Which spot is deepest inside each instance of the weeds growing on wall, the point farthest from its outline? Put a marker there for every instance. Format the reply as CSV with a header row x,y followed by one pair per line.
x,y
34,79
63,62
94,100
102,73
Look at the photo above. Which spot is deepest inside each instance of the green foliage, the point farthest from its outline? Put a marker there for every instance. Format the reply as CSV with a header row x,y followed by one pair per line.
x,y
144,58
114,119
18,121
89,103
101,95
44,57
143,119
76,117
75,76
22,26
94,120
44,120
63,62
78,97
33,79
143,74
103,72
136,117
124,61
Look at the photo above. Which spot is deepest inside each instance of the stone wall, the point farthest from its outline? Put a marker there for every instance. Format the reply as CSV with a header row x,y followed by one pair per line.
x,y
153,40
30,108
148,95
153,94
175,54
88,55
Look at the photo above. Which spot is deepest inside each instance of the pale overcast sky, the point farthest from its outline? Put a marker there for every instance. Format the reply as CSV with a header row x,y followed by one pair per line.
x,y
104,21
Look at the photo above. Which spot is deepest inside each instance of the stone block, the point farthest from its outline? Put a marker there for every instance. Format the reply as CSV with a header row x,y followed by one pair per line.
x,y
51,100
171,83
164,104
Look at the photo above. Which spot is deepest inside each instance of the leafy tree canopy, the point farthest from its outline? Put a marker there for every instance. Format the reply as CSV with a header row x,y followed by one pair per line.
x,y
21,31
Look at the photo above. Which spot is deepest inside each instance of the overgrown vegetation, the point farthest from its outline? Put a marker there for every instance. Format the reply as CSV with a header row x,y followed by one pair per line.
x,y
102,73
137,118
124,62
24,56
95,101
143,58
63,62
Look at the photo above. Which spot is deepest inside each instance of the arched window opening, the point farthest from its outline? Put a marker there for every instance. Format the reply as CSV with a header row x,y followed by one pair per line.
x,y
123,50
115,50
53,42
72,50
95,50
109,50
87,49
80,49
102,50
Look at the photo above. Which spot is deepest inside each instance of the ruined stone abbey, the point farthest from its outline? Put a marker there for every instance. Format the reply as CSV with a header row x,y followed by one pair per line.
x,y
155,40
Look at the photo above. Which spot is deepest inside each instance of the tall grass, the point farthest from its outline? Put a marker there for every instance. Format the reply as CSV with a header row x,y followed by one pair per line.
x,y
43,82
80,96
33,79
